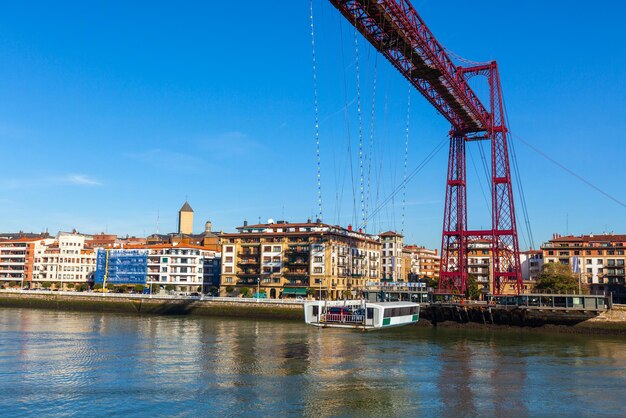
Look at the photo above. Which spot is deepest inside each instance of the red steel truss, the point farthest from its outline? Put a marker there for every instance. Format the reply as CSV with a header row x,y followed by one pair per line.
x,y
395,29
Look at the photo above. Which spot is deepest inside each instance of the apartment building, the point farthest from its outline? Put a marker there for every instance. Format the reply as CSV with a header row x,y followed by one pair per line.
x,y
68,261
424,263
392,257
295,259
17,259
600,259
184,268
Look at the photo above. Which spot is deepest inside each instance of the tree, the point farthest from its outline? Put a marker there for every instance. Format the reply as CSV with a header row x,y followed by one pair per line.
x,y
557,278
46,285
70,285
472,287
169,287
139,288
155,288
229,289
97,286
245,292
12,284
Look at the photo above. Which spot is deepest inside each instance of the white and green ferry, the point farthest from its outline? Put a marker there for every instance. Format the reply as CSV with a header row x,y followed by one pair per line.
x,y
360,314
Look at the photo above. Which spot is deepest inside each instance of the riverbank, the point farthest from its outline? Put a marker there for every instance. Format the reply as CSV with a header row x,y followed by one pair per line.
x,y
611,322
154,305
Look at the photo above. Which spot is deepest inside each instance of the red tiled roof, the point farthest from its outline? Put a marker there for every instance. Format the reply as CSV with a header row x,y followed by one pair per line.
x,y
390,234
591,238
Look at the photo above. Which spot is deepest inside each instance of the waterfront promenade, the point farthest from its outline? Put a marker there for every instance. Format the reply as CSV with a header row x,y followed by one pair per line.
x,y
589,319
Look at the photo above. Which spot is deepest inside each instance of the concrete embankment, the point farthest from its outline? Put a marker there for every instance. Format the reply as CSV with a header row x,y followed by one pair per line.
x,y
153,306
612,321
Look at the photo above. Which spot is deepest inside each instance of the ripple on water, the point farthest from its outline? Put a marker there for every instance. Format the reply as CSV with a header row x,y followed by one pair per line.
x,y
65,364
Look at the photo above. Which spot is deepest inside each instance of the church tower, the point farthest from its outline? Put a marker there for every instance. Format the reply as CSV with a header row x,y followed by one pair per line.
x,y
185,219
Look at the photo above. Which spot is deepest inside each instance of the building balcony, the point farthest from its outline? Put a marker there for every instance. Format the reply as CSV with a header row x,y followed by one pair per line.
x,y
248,262
294,272
297,262
249,272
249,254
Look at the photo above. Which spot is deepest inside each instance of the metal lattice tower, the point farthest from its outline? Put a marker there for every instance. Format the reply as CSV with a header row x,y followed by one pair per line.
x,y
395,29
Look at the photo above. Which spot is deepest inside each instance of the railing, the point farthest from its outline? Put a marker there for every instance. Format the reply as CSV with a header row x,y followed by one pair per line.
x,y
157,296
353,319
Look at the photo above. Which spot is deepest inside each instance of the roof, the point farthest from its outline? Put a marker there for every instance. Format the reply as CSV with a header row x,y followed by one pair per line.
x,y
591,238
391,234
186,208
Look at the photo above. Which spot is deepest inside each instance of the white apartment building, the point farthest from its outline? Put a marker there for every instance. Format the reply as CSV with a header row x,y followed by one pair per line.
x,y
186,268
531,262
69,259
392,261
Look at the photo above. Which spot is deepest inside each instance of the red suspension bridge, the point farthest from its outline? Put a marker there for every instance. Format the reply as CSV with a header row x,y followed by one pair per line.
x,y
394,28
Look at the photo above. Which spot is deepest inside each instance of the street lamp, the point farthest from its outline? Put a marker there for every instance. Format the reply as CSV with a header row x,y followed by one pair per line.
x,y
258,288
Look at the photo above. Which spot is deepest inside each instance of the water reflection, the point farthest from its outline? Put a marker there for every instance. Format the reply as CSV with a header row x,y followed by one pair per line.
x,y
77,363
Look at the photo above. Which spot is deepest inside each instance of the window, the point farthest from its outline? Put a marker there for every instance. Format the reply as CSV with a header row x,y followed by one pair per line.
x,y
228,269
318,259
267,249
164,260
228,280
317,270
277,248
229,249
228,259
275,269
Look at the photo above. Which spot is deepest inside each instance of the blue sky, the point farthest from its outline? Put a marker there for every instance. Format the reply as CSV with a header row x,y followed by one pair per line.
x,y
111,114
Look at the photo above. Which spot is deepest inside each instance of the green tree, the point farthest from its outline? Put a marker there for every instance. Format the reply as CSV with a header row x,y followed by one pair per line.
x,y
155,288
12,284
110,286
97,286
557,278
472,287
229,289
245,292
46,285
70,285
169,287
139,288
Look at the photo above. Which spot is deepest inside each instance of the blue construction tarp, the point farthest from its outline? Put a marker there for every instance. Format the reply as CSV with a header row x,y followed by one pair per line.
x,y
124,266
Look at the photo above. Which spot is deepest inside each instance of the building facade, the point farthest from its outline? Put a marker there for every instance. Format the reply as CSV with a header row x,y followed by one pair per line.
x,y
184,268
598,260
283,259
425,263
17,259
69,261
392,257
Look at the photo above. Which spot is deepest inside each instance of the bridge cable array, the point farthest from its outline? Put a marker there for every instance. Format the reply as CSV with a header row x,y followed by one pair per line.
x,y
317,128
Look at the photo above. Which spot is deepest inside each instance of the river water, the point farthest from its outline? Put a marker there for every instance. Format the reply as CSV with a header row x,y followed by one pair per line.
x,y
77,364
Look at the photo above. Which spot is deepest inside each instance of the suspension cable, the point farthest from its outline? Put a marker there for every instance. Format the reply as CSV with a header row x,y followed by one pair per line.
x,y
371,146
317,126
360,119
518,181
572,173
411,175
406,158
